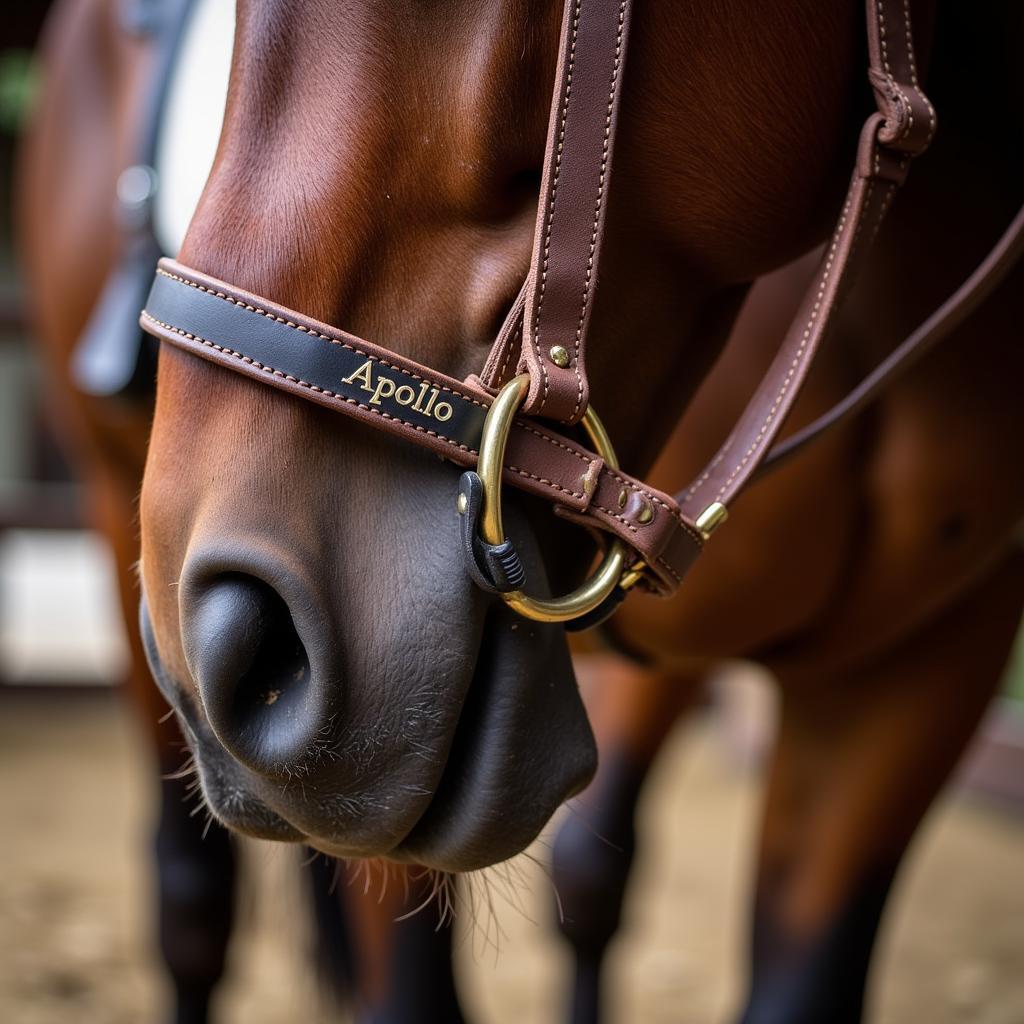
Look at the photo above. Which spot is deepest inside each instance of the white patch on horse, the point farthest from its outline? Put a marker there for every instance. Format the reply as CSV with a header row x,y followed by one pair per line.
x,y
190,126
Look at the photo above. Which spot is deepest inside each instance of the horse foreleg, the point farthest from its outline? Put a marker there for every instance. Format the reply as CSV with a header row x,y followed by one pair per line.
x,y
195,892
195,876
632,710
858,761
401,938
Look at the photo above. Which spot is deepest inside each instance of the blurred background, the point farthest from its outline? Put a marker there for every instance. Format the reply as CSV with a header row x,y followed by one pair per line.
x,y
77,796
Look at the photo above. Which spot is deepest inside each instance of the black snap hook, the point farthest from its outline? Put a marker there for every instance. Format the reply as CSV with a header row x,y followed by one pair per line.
x,y
496,568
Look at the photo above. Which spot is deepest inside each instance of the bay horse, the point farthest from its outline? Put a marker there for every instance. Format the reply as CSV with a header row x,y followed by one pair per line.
x,y
102,64
103,68
321,553
83,133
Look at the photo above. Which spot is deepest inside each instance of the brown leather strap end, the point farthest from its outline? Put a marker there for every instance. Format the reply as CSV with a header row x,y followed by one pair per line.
x,y
664,541
503,358
571,215
909,117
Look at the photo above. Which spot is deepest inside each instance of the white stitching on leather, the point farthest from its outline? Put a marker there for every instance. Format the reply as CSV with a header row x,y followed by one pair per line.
x,y
353,348
535,326
615,515
598,204
639,489
879,215
658,558
273,371
911,67
317,334
882,34
913,71
661,561
801,348
696,485
517,333
880,11
558,444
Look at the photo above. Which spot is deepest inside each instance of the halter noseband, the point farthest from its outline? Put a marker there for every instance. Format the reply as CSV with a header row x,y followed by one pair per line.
x,y
490,424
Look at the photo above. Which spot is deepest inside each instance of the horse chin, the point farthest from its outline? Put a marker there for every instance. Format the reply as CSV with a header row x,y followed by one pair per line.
x,y
521,745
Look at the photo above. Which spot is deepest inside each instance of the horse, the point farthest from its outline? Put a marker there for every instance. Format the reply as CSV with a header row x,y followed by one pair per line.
x,y
107,70
340,678
106,437
99,383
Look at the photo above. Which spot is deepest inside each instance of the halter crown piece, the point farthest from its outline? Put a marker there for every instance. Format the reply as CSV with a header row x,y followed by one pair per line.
x,y
496,425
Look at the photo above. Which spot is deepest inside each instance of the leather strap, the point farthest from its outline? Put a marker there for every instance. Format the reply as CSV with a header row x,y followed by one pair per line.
x,y
867,200
571,214
909,115
988,275
902,128
567,247
501,366
294,353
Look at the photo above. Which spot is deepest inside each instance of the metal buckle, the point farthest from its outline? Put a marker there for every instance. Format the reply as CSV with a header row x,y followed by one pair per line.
x,y
608,574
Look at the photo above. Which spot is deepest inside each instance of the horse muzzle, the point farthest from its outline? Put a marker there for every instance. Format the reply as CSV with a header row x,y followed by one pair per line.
x,y
428,755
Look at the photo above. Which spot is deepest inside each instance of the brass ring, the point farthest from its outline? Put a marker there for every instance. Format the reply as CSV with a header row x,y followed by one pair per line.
x,y
492,457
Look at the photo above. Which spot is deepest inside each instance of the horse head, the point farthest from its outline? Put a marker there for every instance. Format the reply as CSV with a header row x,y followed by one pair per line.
x,y
307,612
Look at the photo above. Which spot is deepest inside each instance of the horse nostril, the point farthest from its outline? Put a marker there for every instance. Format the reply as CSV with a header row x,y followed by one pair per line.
x,y
253,672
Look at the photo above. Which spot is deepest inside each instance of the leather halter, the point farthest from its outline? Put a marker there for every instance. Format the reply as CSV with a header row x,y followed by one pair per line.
x,y
545,334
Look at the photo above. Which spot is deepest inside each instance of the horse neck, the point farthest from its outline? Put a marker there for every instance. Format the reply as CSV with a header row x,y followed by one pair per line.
x,y
381,172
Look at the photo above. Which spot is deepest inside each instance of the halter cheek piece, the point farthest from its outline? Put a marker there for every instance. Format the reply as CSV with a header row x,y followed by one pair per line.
x,y
494,424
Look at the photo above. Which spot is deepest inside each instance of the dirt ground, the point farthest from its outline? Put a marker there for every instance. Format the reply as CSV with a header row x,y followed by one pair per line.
x,y
75,899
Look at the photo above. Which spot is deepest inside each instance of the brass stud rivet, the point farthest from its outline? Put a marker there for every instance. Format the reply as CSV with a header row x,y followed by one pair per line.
x,y
461,503
623,497
646,514
559,356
